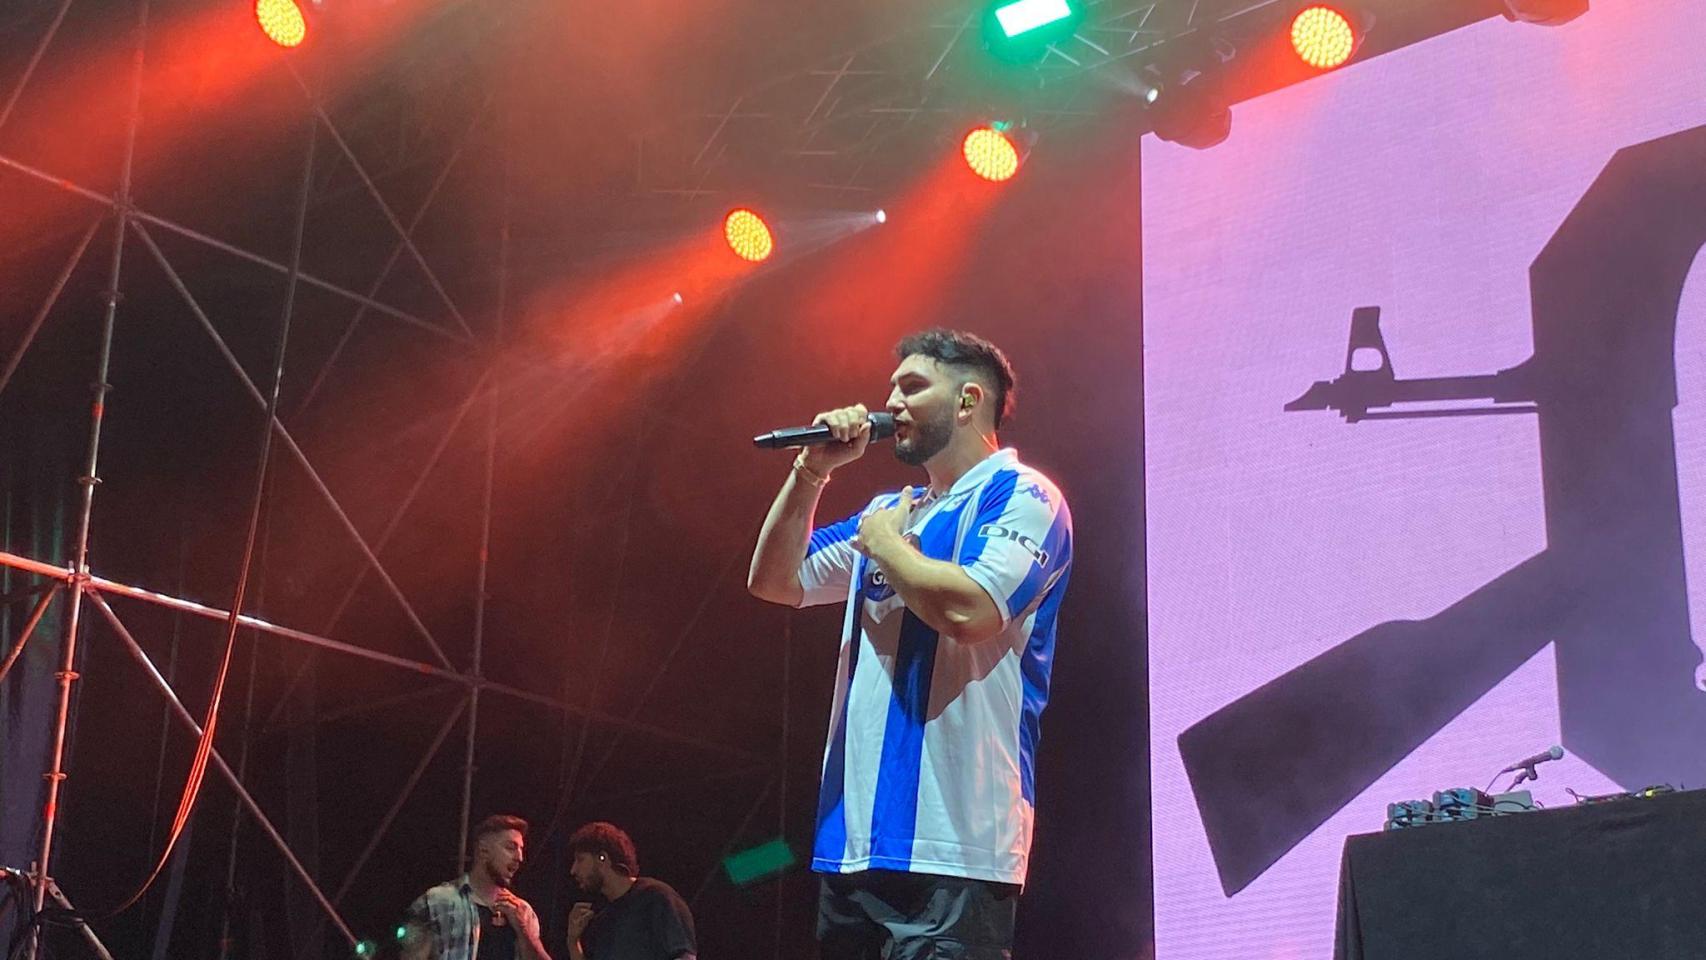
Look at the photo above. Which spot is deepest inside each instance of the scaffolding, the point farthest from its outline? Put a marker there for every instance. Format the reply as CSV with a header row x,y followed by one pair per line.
x,y
82,594
831,123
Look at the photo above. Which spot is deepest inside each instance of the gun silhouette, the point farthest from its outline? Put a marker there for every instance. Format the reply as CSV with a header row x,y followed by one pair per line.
x,y
1360,389
1608,590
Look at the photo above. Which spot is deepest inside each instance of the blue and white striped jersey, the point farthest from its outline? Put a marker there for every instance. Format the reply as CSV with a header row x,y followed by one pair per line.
x,y
929,766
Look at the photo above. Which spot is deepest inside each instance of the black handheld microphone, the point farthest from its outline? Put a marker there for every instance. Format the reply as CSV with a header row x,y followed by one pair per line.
x,y
1552,753
882,427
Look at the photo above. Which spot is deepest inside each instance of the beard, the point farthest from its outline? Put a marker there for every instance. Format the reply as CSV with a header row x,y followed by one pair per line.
x,y
928,438
500,875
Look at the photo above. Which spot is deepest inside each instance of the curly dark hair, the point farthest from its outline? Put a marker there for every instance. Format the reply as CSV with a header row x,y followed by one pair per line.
x,y
609,840
981,360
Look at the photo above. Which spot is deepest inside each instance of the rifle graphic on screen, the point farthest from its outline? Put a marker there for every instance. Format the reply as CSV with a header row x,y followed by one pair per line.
x,y
1608,590
1361,388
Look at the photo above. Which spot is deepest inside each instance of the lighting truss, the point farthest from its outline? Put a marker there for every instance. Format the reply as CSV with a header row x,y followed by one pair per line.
x,y
826,124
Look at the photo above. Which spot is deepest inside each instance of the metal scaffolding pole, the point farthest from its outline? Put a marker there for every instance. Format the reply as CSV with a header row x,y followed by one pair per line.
x,y
29,628
35,61
290,444
143,216
67,674
47,305
488,478
422,668
384,538
218,760
391,260
404,235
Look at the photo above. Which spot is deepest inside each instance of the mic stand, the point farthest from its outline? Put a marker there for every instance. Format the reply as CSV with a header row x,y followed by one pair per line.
x,y
1526,774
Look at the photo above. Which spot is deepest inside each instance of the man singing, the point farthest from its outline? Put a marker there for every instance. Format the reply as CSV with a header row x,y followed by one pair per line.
x,y
478,917
924,817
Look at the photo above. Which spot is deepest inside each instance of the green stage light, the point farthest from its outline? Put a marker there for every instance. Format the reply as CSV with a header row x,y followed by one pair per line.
x,y
1025,15
757,863
1020,31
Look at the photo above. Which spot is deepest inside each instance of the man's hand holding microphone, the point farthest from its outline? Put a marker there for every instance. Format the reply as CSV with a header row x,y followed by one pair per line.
x,y
851,429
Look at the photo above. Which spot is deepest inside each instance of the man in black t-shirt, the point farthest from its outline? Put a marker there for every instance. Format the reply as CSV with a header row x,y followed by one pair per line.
x,y
641,919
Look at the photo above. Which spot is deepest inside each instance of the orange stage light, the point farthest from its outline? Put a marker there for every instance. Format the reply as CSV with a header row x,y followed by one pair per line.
x,y
1323,37
990,154
748,235
281,21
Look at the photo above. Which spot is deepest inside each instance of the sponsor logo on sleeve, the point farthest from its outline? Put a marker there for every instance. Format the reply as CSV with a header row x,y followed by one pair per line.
x,y
995,531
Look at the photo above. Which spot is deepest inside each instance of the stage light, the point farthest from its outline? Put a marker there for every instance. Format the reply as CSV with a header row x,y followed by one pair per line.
x,y
676,297
882,216
1186,100
1199,131
1547,13
1190,111
758,863
1128,82
1323,37
748,235
1020,31
1022,16
990,154
281,21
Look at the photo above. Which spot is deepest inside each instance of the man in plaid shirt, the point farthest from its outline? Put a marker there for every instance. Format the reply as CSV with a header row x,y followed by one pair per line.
x,y
477,916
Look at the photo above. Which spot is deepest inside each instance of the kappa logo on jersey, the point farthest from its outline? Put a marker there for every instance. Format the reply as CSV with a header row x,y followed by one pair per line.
x,y
995,531
1037,492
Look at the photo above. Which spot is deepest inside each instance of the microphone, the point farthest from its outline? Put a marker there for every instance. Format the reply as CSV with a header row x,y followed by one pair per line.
x,y
1552,753
882,427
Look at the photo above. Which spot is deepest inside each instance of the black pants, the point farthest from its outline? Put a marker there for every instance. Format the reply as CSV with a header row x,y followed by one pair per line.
x,y
886,915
